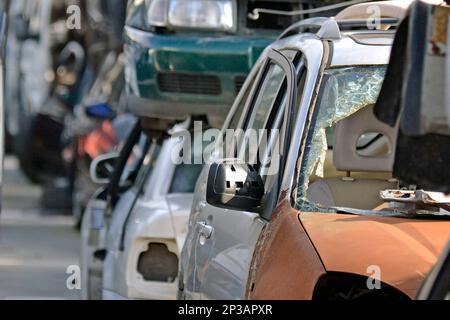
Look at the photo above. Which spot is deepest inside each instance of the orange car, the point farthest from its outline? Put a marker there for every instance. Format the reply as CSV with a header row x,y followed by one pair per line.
x,y
326,219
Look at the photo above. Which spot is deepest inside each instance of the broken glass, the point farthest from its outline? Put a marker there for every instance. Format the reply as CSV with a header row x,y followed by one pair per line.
x,y
344,91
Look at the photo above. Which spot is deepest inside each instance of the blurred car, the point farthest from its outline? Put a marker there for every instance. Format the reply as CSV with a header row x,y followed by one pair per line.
x,y
98,125
37,31
319,219
41,95
135,247
115,173
191,57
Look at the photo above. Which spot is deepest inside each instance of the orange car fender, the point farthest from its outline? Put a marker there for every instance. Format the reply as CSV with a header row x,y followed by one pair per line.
x,y
285,264
400,250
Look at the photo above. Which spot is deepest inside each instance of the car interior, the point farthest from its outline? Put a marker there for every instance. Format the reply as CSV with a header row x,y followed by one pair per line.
x,y
358,165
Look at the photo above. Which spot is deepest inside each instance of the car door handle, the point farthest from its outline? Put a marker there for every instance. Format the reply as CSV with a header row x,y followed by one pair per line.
x,y
206,230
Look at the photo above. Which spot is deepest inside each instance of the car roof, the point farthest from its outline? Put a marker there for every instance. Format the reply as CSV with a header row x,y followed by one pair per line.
x,y
351,51
352,48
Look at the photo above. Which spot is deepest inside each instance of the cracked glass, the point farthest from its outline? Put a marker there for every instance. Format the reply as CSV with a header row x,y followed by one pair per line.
x,y
344,91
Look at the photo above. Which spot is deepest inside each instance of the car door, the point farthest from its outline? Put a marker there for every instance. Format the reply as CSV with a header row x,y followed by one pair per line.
x,y
229,235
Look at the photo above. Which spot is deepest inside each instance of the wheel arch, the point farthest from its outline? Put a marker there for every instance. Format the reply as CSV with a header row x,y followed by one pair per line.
x,y
351,286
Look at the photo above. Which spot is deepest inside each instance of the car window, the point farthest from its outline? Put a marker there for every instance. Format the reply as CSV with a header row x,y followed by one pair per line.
x,y
268,92
185,178
271,93
272,179
227,143
234,122
147,164
186,174
344,91
135,158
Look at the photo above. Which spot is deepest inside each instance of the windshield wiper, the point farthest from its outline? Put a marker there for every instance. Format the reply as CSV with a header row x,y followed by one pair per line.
x,y
394,213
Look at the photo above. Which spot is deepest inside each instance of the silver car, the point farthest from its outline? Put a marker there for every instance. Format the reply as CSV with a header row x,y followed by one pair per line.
x,y
149,227
132,234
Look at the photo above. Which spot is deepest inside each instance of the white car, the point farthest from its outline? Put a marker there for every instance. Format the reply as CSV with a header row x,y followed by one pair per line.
x,y
104,202
136,251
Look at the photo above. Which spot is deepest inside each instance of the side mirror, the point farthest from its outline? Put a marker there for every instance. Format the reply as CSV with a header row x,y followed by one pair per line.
x,y
234,186
102,167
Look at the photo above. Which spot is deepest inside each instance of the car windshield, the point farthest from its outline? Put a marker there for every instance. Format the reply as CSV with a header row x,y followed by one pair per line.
x,y
344,91
327,185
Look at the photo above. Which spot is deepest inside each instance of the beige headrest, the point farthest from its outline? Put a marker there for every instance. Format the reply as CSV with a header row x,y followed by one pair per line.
x,y
347,133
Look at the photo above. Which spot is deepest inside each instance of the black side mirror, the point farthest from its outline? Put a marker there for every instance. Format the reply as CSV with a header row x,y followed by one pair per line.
x,y
102,167
232,185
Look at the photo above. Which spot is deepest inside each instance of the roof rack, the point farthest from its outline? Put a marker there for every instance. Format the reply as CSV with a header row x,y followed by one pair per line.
x,y
330,28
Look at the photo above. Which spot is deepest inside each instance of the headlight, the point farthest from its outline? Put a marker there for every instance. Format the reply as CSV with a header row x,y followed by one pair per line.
x,y
196,14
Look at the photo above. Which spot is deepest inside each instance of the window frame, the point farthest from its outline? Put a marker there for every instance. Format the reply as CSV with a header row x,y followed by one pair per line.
x,y
286,105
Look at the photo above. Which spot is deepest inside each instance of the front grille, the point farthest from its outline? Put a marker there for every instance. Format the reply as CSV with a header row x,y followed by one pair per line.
x,y
238,83
189,83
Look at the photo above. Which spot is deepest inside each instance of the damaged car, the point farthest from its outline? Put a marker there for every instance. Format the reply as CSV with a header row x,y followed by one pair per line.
x,y
149,225
316,212
135,226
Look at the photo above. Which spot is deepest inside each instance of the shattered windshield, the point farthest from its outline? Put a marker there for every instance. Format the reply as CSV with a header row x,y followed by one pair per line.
x,y
344,91
323,185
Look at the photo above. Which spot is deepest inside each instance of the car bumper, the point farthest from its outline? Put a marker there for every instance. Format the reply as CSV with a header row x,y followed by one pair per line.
x,y
197,74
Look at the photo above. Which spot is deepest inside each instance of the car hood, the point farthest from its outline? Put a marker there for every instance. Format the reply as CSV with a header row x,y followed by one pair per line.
x,y
403,249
